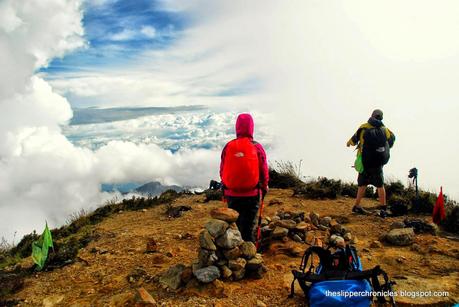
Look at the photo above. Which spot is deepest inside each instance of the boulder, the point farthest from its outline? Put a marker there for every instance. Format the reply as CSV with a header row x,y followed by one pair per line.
x,y
207,257
208,274
248,250
172,278
237,264
255,263
205,240
230,239
238,275
226,272
279,232
232,254
216,228
224,214
400,236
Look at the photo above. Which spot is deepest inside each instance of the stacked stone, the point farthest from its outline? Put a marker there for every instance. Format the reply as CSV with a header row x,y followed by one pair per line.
x,y
222,251
303,227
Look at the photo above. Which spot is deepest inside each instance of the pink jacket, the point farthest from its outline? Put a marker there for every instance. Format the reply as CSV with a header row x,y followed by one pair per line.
x,y
244,128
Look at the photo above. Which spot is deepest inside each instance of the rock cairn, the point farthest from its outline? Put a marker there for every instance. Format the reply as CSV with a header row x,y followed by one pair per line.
x,y
222,255
304,228
222,252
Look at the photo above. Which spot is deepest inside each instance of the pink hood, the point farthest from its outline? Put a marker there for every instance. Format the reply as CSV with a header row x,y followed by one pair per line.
x,y
244,126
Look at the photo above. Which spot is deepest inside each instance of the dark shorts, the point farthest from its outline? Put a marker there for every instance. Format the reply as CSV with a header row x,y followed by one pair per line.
x,y
373,176
248,209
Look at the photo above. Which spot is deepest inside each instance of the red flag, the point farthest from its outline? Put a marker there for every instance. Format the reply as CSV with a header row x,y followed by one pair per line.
x,y
439,210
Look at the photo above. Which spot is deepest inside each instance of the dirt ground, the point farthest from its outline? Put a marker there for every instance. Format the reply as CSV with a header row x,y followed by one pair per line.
x,y
100,276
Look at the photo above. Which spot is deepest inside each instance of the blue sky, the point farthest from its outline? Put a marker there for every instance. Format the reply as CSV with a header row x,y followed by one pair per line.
x,y
117,31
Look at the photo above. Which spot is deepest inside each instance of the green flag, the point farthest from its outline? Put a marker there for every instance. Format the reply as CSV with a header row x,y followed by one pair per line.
x,y
40,248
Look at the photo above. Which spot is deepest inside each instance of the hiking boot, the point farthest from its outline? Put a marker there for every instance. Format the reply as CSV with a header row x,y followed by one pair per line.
x,y
360,210
385,213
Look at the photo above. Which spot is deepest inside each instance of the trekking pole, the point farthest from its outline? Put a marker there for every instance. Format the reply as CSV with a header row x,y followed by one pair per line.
x,y
259,221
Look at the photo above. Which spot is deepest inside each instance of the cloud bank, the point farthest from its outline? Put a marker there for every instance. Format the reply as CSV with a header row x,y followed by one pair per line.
x,y
43,176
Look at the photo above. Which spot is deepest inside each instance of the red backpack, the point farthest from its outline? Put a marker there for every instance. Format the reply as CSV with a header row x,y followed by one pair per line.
x,y
240,165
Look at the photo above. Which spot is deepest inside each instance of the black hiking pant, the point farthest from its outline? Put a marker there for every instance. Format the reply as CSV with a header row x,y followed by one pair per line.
x,y
248,209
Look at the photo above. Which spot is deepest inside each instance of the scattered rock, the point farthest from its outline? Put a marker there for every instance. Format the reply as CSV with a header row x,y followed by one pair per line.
x,y
172,278
230,239
176,211
376,244
347,236
322,227
289,224
274,201
400,236
309,238
205,240
302,227
325,221
421,226
207,274
260,304
314,218
338,229
52,300
224,214
216,228
318,242
143,298
151,246
297,238
248,250
279,232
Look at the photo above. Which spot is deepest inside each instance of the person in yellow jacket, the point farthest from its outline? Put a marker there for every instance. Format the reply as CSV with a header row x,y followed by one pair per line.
x,y
373,141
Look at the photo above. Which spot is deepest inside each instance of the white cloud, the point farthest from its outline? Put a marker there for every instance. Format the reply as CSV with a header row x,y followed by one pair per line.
x,y
43,176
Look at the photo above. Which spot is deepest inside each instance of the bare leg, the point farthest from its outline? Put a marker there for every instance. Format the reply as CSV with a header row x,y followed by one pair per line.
x,y
360,194
382,196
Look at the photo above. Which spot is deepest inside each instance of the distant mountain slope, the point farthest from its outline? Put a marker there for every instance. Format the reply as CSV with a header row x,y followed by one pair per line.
x,y
95,115
155,188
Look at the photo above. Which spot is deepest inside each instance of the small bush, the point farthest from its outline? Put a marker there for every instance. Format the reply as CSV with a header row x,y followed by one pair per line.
x,y
285,175
212,194
323,188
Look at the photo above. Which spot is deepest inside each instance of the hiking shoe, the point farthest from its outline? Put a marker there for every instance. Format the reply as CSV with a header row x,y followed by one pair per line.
x,y
360,210
385,213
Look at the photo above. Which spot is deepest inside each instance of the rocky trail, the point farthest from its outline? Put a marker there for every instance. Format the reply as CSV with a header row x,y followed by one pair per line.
x,y
133,249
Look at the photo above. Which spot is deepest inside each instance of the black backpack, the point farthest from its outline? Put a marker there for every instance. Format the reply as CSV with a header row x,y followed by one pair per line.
x,y
343,264
376,150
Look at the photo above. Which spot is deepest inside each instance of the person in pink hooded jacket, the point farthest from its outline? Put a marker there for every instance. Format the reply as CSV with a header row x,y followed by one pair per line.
x,y
247,202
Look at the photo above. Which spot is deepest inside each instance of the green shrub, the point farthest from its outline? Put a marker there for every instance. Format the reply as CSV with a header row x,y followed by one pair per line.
x,y
285,175
322,188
